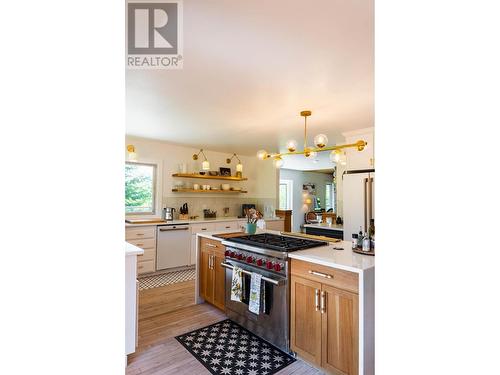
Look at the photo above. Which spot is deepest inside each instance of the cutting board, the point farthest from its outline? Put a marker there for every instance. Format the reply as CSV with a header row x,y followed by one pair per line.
x,y
310,236
230,235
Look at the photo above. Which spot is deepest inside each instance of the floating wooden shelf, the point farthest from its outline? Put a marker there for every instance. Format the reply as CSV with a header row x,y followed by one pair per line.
x,y
207,177
208,191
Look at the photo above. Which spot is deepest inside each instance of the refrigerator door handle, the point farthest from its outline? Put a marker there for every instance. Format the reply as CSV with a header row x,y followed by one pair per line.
x,y
365,201
370,210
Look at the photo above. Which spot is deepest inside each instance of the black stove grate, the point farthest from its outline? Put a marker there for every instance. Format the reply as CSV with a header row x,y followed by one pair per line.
x,y
276,242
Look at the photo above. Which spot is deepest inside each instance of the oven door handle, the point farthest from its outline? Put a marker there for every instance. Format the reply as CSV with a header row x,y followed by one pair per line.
x,y
267,279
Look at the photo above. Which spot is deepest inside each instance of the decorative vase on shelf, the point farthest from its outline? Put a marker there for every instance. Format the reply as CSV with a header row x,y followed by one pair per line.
x,y
251,228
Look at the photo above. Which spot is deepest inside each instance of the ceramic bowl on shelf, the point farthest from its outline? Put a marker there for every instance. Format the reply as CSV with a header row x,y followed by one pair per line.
x,y
236,189
213,173
225,187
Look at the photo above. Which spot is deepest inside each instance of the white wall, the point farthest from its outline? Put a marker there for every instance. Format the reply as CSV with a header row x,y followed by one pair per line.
x,y
261,185
299,178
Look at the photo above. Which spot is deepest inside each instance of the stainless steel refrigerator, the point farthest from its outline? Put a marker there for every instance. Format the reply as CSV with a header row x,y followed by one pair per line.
x,y
358,200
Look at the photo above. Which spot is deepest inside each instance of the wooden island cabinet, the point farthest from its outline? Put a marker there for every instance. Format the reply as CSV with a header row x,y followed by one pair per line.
x,y
324,317
212,274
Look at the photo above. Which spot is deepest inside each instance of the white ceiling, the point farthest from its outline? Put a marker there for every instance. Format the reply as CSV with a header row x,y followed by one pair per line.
x,y
250,67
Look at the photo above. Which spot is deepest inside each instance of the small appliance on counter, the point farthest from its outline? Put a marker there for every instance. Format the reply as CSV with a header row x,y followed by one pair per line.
x,y
244,208
184,212
168,213
209,214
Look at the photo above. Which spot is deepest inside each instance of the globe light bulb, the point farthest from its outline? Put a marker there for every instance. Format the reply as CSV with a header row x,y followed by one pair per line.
x,y
262,154
309,153
205,165
239,167
278,162
335,156
132,156
321,140
343,159
291,145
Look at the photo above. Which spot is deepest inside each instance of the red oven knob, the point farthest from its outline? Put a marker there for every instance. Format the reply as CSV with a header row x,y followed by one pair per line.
x,y
240,256
249,259
227,252
259,262
277,267
269,265
232,254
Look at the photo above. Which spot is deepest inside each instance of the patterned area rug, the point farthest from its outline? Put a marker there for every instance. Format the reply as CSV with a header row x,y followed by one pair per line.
x,y
228,348
156,281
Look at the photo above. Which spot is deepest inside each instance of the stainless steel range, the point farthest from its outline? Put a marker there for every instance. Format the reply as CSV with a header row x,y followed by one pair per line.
x,y
266,254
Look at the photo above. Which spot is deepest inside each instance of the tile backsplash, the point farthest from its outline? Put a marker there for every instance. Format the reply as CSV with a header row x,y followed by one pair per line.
x,y
196,205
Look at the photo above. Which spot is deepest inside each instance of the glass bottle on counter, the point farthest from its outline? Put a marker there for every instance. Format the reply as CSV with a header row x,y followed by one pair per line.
x,y
366,242
371,233
354,240
371,228
360,238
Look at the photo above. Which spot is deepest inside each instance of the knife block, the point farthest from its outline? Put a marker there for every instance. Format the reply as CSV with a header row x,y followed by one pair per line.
x,y
183,216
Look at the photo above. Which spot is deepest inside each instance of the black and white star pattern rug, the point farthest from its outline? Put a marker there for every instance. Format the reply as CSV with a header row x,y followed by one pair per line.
x,y
228,348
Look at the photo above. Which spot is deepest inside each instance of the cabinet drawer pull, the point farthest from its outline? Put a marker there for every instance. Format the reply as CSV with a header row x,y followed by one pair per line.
x,y
211,245
323,302
139,234
139,266
316,299
228,227
139,244
203,228
316,273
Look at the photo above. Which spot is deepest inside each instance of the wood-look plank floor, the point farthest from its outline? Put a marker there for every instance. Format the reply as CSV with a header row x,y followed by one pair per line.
x,y
159,353
157,301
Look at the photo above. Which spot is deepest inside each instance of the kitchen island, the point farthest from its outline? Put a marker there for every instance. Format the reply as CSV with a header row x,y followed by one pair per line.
x,y
332,301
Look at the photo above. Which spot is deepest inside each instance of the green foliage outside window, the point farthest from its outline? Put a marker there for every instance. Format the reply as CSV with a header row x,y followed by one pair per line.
x,y
139,188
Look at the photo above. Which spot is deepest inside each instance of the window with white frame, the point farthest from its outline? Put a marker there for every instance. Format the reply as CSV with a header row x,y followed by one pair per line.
x,y
140,188
285,194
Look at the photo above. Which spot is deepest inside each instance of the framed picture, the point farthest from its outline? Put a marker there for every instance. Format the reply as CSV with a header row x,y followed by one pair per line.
x,y
225,171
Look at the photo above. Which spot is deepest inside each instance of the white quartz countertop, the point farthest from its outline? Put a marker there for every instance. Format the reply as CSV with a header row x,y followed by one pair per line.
x,y
132,249
344,259
197,221
325,226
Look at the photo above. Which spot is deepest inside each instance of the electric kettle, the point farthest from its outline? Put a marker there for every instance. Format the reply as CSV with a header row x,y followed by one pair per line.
x,y
168,213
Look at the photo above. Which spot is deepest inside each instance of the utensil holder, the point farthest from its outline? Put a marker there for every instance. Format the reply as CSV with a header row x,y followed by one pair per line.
x,y
251,228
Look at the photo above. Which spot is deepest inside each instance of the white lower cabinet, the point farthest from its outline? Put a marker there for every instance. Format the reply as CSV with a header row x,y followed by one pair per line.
x,y
226,225
145,238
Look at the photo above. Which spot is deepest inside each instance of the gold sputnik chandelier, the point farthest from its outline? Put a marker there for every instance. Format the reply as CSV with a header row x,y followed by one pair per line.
x,y
320,145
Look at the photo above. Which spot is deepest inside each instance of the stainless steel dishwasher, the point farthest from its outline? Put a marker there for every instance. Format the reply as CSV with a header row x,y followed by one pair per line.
x,y
173,246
